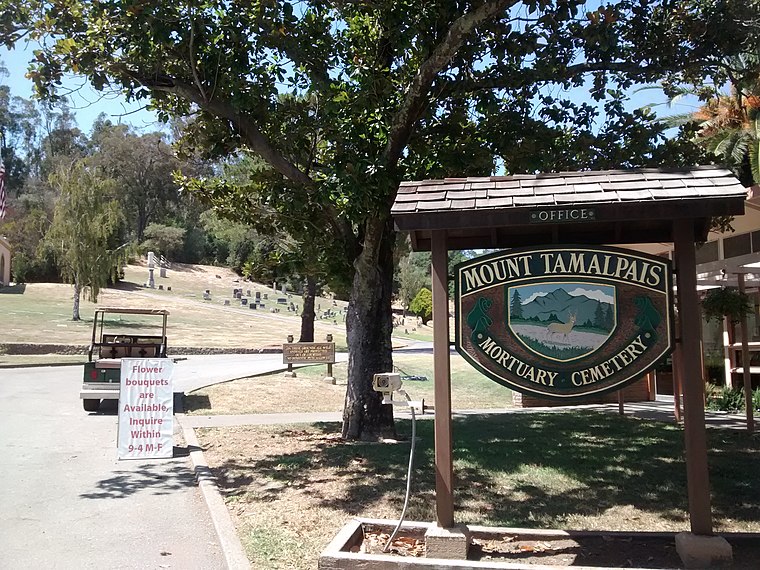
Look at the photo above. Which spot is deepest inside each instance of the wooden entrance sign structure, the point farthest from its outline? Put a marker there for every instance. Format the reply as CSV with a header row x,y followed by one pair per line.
x,y
590,208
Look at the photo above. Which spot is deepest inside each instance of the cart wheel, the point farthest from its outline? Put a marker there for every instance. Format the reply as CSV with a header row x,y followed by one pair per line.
x,y
91,405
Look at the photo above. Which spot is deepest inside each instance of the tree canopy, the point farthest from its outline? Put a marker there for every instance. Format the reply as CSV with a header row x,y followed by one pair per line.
x,y
85,230
340,100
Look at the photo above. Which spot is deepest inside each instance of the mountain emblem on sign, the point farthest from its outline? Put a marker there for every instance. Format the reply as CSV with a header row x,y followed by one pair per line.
x,y
562,321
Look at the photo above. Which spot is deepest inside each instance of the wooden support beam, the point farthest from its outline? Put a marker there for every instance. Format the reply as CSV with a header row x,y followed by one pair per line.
x,y
444,468
691,376
746,364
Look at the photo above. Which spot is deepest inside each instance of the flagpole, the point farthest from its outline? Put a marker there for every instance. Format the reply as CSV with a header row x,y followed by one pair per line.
x,y
3,193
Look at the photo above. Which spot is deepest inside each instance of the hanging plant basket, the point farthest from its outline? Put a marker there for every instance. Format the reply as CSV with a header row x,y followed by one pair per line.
x,y
726,302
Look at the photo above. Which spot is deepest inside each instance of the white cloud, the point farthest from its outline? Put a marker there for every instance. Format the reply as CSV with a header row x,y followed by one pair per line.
x,y
592,294
534,296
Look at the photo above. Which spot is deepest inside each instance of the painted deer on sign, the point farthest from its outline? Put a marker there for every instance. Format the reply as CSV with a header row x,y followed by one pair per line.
x,y
561,328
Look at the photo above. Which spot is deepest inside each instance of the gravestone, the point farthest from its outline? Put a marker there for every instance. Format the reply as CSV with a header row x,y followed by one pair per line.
x,y
252,306
169,288
266,296
244,301
160,287
226,302
207,295
248,293
258,296
239,295
282,301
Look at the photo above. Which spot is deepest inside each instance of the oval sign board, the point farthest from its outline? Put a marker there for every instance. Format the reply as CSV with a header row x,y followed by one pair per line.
x,y
564,322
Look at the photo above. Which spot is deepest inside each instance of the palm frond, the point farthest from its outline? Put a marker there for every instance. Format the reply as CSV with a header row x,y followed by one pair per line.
x,y
754,150
721,142
678,120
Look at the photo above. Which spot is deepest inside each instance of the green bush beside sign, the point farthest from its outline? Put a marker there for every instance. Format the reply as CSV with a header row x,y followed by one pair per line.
x,y
564,321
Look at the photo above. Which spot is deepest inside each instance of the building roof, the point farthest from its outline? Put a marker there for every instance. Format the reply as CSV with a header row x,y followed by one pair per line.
x,y
619,206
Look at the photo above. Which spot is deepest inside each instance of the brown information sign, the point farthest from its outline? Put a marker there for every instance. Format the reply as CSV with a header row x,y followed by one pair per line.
x,y
308,352
564,322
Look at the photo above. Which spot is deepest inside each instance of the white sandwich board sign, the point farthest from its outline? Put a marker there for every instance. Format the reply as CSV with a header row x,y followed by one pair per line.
x,y
146,408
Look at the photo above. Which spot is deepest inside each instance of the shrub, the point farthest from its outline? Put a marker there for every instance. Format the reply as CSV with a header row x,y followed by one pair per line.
x,y
728,302
724,399
422,305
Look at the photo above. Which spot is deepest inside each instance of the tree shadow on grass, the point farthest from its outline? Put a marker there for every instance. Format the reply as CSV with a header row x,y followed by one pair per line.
x,y
604,461
17,289
195,402
367,471
127,286
533,470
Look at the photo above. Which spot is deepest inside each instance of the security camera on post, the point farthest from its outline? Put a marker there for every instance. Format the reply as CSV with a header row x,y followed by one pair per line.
x,y
386,383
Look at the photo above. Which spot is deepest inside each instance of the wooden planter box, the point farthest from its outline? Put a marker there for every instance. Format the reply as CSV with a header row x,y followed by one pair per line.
x,y
339,556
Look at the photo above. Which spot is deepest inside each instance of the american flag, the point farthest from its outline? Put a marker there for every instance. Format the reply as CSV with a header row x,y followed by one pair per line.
x,y
2,189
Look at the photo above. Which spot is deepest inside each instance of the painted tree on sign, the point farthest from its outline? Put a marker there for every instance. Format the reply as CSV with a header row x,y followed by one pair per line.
x,y
515,308
343,100
83,233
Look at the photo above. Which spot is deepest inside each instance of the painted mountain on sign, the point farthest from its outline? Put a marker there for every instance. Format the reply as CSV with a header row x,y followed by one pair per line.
x,y
564,321
561,304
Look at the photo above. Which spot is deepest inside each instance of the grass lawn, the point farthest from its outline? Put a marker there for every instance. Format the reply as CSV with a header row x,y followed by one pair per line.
x,y
291,488
310,393
40,313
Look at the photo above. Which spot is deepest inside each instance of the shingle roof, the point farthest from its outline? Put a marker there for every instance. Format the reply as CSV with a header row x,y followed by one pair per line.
x,y
561,189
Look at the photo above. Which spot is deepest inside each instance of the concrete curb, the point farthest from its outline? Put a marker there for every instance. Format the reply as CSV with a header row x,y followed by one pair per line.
x,y
234,553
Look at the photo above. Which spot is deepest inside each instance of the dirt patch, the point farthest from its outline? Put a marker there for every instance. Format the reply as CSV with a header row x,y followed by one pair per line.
x,y
604,550
268,395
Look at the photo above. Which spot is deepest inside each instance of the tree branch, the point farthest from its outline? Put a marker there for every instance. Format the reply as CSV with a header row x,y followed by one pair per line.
x,y
193,67
416,96
247,128
252,135
530,76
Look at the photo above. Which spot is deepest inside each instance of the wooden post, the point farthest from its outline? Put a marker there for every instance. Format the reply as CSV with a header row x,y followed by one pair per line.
x,y
444,468
676,366
688,360
621,403
746,363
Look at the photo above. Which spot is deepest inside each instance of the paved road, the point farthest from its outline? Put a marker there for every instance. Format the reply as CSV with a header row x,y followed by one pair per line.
x,y
195,372
68,503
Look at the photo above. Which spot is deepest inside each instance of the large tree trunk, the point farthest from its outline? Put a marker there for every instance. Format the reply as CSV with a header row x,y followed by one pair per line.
x,y
308,315
77,295
369,324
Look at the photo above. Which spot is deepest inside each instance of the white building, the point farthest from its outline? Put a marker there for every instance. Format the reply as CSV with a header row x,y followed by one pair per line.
x,y
5,262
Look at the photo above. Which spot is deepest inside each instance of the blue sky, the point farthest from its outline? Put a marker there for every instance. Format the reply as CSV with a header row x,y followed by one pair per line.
x,y
85,102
